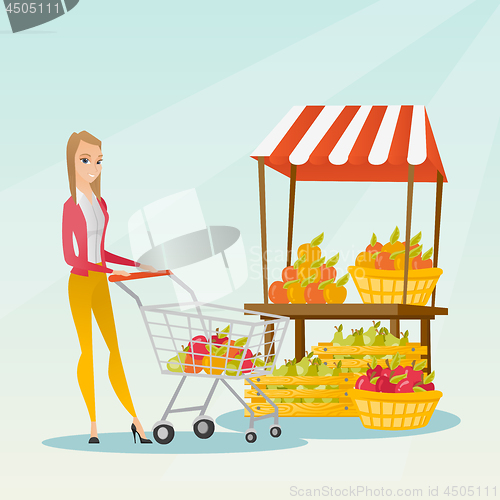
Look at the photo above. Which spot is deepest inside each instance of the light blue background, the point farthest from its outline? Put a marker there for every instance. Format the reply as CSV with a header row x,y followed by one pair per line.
x,y
180,95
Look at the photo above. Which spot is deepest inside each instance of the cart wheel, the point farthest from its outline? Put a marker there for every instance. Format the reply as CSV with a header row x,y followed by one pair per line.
x,y
204,428
163,433
275,431
251,436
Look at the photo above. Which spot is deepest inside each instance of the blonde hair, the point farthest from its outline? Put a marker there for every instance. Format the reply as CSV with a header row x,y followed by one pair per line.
x,y
73,143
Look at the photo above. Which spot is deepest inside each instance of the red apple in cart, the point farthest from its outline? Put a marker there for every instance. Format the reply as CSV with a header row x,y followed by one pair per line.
x,y
313,295
278,294
289,274
197,347
247,365
196,351
219,337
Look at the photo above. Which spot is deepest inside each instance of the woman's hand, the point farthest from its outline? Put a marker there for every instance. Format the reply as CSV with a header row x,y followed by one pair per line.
x,y
120,273
151,269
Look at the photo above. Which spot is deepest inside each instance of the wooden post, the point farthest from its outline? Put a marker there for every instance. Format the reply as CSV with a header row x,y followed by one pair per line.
x,y
409,207
425,340
291,211
395,327
300,339
437,225
263,231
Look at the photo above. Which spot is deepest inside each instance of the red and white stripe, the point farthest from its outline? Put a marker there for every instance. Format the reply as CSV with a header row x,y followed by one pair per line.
x,y
353,143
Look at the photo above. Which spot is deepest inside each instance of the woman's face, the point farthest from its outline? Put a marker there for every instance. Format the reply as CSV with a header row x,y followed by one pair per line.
x,y
88,161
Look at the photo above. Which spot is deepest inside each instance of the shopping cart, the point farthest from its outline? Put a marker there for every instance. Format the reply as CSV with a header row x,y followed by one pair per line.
x,y
209,341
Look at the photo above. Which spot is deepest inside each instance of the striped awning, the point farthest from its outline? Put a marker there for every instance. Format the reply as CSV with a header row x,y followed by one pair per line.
x,y
353,143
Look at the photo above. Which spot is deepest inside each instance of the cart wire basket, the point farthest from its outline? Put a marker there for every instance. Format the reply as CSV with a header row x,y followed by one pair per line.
x,y
209,341
393,412
379,286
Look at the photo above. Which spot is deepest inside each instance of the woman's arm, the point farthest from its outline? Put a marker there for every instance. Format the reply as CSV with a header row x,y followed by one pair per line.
x,y
116,259
69,252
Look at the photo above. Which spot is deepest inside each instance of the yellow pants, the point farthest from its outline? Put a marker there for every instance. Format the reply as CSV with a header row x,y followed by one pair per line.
x,y
89,294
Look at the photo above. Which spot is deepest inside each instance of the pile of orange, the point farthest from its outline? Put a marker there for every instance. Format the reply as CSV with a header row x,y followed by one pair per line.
x,y
310,280
391,256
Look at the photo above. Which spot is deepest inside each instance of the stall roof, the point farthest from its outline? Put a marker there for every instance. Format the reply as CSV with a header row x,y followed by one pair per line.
x,y
353,143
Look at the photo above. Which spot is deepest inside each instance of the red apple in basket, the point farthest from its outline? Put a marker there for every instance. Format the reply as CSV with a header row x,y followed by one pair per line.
x,y
363,383
405,385
413,376
428,387
418,263
383,261
374,372
384,385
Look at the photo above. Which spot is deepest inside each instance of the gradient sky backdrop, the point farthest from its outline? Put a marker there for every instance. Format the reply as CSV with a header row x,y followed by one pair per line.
x,y
181,94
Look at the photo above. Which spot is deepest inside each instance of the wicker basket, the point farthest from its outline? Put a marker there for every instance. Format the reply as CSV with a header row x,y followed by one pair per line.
x,y
393,412
378,286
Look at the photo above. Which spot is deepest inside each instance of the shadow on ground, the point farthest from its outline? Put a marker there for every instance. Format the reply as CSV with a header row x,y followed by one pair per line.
x,y
184,443
334,428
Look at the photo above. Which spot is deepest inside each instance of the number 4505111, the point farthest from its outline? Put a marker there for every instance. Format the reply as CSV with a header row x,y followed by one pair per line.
x,y
31,8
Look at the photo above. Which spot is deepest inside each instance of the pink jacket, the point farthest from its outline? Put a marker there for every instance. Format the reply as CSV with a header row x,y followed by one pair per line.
x,y
73,222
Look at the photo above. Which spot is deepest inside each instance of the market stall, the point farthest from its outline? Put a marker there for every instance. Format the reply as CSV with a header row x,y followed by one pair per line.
x,y
356,144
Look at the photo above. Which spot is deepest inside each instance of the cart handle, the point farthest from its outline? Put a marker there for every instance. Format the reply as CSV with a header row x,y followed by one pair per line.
x,y
135,276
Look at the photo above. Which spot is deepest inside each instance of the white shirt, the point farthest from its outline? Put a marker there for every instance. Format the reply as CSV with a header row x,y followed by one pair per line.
x,y
95,225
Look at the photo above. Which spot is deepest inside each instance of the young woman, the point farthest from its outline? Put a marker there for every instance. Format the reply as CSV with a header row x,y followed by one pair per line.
x,y
85,219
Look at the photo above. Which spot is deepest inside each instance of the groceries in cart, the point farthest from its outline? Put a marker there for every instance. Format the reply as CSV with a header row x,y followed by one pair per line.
x,y
219,354
200,349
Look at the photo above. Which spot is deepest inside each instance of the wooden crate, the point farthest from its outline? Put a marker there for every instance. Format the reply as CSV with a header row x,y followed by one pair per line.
x,y
344,408
326,352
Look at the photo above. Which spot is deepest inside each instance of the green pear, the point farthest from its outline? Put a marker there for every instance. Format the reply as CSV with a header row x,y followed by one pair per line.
x,y
391,340
232,368
403,341
324,371
176,363
338,338
302,366
369,335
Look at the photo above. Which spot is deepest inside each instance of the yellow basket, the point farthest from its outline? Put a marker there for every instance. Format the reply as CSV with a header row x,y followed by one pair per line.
x,y
393,412
378,286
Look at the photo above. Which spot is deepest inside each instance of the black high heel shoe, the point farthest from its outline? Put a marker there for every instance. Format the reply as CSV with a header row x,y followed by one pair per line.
x,y
94,440
143,440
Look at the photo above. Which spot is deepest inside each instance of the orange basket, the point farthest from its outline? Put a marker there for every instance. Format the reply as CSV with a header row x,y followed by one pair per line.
x,y
378,286
393,412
